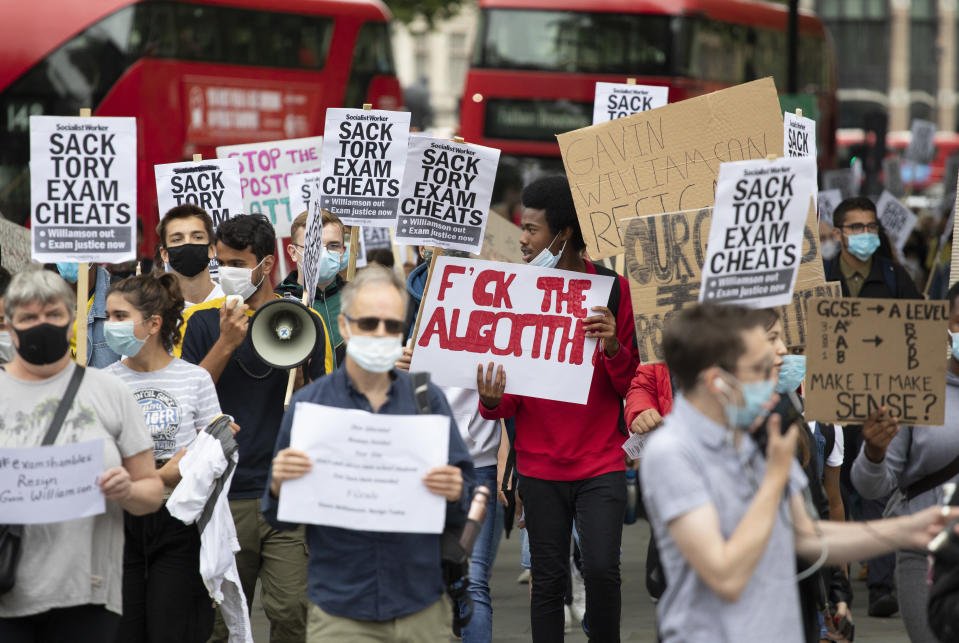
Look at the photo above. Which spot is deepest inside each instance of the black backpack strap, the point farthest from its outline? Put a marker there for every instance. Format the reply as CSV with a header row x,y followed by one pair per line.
x,y
64,407
421,392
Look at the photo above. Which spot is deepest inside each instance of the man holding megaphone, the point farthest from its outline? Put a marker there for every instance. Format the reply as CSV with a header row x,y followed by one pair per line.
x,y
219,336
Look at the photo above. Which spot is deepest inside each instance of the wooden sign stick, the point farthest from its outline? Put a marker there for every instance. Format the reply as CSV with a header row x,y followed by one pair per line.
x,y
83,287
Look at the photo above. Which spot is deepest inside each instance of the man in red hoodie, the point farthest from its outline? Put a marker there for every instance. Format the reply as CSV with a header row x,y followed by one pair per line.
x,y
569,456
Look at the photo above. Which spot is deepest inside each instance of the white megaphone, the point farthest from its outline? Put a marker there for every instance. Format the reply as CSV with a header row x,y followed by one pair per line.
x,y
284,333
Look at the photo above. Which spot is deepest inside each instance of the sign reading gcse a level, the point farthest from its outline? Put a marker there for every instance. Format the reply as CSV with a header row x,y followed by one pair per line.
x,y
213,185
616,100
83,189
870,353
364,154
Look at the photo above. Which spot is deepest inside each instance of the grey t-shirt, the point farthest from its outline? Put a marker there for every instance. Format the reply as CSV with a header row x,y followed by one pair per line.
x,y
76,562
690,462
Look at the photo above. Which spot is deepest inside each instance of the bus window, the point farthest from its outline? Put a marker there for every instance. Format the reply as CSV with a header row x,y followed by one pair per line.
x,y
372,56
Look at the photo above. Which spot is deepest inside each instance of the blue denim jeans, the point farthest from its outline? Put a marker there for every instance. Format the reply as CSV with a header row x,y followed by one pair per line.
x,y
480,627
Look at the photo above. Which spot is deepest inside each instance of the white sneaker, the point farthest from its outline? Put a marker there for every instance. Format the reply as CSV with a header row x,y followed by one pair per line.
x,y
523,577
579,593
568,618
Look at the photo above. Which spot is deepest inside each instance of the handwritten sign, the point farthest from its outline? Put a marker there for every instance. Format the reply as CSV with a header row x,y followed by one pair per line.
x,y
446,194
665,160
828,200
264,170
869,353
897,220
83,189
51,484
528,319
799,136
922,144
367,470
616,100
363,161
501,241
794,315
756,235
213,185
892,173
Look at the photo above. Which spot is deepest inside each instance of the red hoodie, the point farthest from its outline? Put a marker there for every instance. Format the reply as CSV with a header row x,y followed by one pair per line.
x,y
565,441
650,389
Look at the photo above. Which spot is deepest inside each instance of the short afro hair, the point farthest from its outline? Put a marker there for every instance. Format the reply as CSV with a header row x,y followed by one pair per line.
x,y
552,194
253,231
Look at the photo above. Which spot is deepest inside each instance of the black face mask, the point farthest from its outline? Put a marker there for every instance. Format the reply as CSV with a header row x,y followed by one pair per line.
x,y
42,344
189,259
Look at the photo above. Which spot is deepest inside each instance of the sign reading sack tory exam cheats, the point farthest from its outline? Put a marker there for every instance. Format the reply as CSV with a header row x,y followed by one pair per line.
x,y
870,353
665,160
213,185
528,319
51,484
367,470
756,236
446,194
799,136
83,184
363,159
616,100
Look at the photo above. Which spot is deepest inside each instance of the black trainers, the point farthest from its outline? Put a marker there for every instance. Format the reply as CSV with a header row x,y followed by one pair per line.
x,y
883,605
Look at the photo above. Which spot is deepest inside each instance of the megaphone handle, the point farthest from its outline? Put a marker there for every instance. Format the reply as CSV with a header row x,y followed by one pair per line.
x,y
289,387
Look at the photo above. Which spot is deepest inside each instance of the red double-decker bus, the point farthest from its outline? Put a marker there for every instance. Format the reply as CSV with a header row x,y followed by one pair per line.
x,y
195,73
535,64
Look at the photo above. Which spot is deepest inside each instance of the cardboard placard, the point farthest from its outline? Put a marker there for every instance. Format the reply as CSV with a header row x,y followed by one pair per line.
x,y
501,242
304,189
528,319
445,195
665,160
794,316
213,185
264,169
756,234
922,144
892,173
799,136
954,266
14,246
869,353
83,189
664,259
897,220
617,100
363,160
828,200
843,180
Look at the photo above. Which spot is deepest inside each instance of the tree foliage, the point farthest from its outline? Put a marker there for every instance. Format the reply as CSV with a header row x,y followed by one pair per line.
x,y
430,10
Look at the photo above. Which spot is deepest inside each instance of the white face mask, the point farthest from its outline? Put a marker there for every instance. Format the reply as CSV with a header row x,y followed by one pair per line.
x,y
239,281
375,354
7,350
547,259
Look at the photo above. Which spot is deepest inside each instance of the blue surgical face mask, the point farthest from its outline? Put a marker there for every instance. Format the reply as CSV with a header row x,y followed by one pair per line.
x,y
863,245
69,271
547,259
120,338
330,264
791,374
955,345
755,396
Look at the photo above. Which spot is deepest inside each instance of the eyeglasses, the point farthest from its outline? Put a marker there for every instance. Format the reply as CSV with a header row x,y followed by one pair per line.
x,y
370,324
333,246
859,228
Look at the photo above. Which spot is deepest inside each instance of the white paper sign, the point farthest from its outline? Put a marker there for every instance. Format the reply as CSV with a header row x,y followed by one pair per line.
x,y
922,145
51,484
843,180
363,159
264,170
304,189
828,201
312,249
446,194
897,220
528,319
83,189
367,470
756,236
799,136
213,185
616,100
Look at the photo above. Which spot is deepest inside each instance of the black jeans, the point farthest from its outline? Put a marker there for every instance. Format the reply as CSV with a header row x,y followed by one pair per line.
x,y
598,506
80,624
164,598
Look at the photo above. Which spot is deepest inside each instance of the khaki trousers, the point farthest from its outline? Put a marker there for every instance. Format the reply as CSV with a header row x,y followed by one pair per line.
x,y
429,625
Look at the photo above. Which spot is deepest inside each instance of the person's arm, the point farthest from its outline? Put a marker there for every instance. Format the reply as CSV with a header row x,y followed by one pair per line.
x,y
502,455
617,335
288,464
641,394
135,486
456,479
877,468
233,326
830,481
491,384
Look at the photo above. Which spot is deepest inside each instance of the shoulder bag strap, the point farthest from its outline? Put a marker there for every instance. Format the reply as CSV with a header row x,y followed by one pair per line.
x,y
933,480
65,403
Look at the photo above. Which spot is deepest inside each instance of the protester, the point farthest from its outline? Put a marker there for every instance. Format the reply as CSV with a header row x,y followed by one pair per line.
x,y
163,594
568,456
68,579
726,520
366,585
186,245
99,354
381,257
415,287
7,350
912,463
215,337
943,610
333,258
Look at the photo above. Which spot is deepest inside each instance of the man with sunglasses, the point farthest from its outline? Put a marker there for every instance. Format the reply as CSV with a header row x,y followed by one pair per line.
x,y
333,259
864,272
374,586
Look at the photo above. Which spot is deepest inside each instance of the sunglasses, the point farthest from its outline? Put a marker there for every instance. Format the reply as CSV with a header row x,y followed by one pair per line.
x,y
370,324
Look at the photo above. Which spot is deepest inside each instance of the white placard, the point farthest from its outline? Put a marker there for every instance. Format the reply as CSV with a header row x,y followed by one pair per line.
x,y
51,484
312,249
616,100
83,189
367,470
756,236
264,170
363,159
828,201
922,144
844,180
799,136
897,220
446,194
526,318
304,189
213,185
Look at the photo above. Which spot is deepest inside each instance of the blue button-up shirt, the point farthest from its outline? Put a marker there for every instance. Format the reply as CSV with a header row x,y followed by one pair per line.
x,y
374,576
99,354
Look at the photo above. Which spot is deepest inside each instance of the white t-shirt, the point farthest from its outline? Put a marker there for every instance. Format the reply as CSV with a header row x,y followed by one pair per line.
x,y
833,458
216,293
177,402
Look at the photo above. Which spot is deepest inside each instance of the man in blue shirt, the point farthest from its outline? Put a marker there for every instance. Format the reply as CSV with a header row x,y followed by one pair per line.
x,y
374,585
